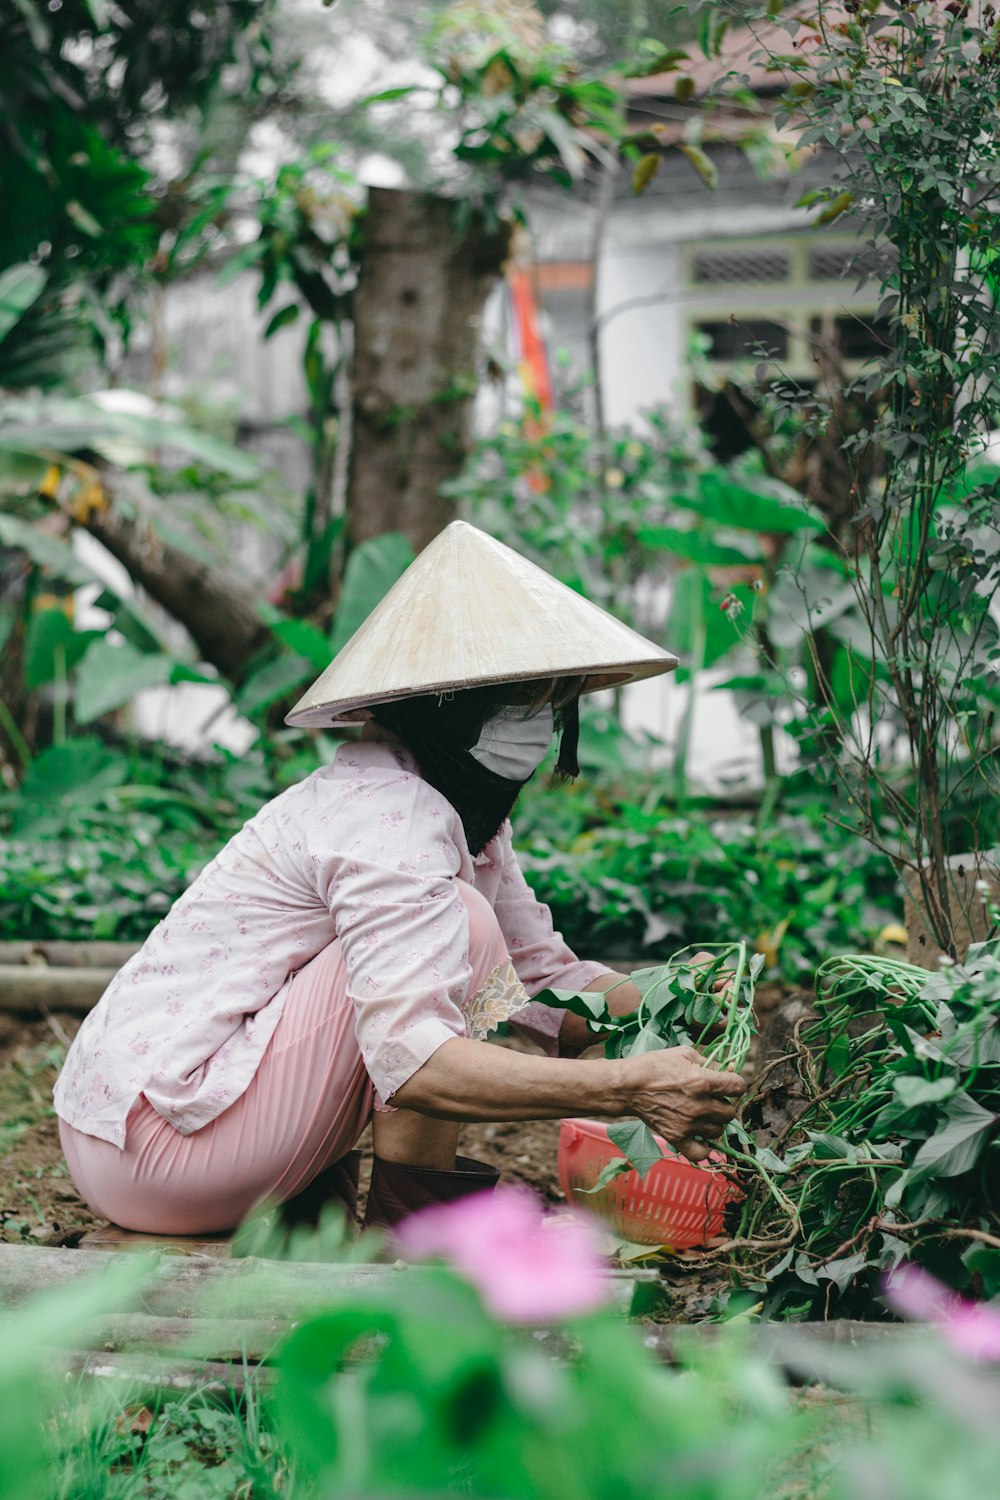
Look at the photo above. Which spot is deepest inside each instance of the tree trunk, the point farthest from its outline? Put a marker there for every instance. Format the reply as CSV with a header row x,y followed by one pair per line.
x,y
217,609
422,285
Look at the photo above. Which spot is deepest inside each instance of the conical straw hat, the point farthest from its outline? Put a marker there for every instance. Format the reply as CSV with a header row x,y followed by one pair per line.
x,y
467,612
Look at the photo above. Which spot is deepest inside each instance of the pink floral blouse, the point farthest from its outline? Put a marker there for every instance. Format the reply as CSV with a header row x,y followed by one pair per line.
x,y
363,850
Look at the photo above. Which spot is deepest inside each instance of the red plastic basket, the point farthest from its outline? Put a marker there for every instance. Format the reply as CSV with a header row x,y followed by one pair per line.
x,y
679,1203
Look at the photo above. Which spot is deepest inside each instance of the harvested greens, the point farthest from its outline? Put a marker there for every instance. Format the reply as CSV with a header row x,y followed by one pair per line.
x,y
893,1152
891,1149
680,1007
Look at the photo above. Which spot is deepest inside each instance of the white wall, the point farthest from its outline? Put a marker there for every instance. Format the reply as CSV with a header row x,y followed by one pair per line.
x,y
641,336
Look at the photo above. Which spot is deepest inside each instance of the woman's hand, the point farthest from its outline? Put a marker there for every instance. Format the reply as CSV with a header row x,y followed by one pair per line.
x,y
680,1098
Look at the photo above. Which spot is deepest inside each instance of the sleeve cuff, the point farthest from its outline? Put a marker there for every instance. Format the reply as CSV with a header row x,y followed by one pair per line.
x,y
391,1065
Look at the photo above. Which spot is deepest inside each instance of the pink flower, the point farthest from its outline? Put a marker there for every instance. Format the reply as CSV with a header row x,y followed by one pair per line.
x,y
525,1270
971,1328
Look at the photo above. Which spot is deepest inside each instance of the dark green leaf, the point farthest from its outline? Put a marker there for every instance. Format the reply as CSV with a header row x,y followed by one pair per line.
x,y
109,676
275,680
282,319
697,547
636,1141
53,647
958,1145
372,569
20,286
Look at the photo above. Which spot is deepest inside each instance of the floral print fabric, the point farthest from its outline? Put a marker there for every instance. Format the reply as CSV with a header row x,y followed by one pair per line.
x,y
362,851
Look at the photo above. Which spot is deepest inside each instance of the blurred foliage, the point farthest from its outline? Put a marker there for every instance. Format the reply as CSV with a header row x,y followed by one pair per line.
x,y
628,875
84,86
99,841
454,1400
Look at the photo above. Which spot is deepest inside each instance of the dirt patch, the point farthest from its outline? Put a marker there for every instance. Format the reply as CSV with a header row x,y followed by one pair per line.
x,y
38,1202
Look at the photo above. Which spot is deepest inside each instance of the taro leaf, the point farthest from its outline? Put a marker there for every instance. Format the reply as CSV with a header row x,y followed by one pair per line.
x,y
110,675
696,546
958,1145
638,1143
305,639
64,778
612,1169
843,1271
912,1092
727,501
53,646
372,569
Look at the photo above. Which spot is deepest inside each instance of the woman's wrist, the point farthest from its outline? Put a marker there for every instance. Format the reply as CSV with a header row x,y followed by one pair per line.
x,y
622,997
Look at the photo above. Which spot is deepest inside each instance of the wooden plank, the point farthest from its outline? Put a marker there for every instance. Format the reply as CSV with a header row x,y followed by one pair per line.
x,y
143,1373
188,1286
64,955
250,1339
25,988
110,1237
153,1347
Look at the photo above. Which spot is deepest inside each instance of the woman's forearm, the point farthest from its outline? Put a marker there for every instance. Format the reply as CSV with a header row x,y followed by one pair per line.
x,y
466,1080
671,1090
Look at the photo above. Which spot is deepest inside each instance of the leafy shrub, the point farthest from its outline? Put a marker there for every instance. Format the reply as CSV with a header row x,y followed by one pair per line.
x,y
892,1151
626,875
101,840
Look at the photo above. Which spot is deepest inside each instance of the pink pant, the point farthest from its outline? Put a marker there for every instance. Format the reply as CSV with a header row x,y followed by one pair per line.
x,y
308,1103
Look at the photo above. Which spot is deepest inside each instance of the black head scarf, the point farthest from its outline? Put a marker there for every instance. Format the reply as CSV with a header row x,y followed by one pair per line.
x,y
440,730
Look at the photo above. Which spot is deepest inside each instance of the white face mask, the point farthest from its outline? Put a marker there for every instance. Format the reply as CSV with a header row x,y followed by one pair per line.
x,y
514,745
